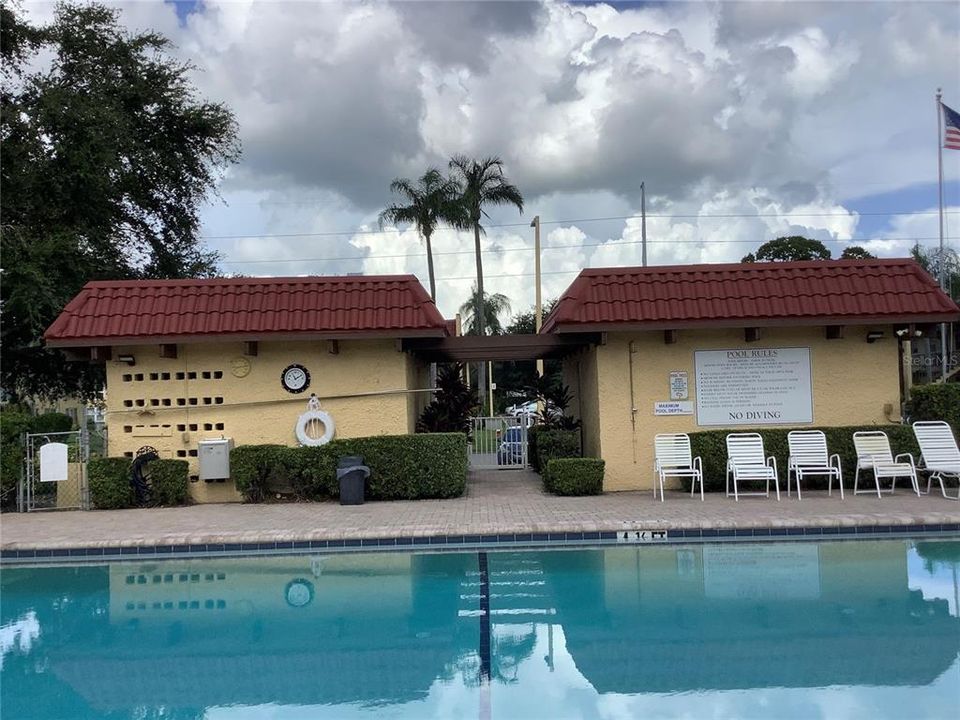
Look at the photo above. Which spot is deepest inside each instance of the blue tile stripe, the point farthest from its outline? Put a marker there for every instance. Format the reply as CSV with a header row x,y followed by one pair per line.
x,y
678,535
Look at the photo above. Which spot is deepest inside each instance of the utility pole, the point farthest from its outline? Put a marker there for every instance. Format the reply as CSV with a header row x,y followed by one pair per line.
x,y
643,222
538,307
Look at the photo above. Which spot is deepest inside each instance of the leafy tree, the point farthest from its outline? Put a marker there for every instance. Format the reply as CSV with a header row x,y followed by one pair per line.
x,y
493,305
525,323
432,200
452,405
108,155
787,249
554,398
482,183
855,252
930,259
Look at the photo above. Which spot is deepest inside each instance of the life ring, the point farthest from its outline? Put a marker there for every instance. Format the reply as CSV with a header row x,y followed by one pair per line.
x,y
313,414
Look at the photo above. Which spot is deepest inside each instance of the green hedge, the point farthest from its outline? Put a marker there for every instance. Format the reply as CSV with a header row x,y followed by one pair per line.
x,y
109,481
402,467
110,488
545,445
574,476
711,446
169,482
936,402
15,420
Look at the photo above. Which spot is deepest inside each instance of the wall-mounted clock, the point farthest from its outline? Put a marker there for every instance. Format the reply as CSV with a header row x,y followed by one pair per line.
x,y
295,378
240,367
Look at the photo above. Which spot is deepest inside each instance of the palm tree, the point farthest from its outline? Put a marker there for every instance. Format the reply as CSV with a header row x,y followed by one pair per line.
x,y
432,200
482,183
494,305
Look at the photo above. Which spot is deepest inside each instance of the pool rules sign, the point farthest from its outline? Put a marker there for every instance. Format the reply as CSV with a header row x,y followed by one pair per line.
x,y
756,386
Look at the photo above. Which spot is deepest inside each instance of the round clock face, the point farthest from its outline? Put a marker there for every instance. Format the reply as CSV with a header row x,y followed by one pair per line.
x,y
240,367
295,378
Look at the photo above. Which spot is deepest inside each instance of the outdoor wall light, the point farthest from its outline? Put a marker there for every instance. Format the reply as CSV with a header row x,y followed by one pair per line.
x,y
128,359
874,335
902,332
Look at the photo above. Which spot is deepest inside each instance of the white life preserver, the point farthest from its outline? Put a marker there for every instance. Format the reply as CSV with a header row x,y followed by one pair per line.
x,y
315,414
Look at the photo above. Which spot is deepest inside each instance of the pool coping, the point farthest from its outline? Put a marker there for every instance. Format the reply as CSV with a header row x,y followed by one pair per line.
x,y
633,536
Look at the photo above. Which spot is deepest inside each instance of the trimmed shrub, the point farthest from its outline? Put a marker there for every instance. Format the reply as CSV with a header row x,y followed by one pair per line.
x,y
257,468
711,446
402,467
936,402
574,476
553,444
110,488
169,482
109,481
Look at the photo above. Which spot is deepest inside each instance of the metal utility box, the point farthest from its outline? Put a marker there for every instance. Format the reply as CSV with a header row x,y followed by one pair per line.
x,y
214,459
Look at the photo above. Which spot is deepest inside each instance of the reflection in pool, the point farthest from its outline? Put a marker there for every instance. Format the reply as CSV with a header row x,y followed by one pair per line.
x,y
737,630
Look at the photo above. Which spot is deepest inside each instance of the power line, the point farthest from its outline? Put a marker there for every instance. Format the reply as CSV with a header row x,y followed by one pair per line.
x,y
336,233
611,243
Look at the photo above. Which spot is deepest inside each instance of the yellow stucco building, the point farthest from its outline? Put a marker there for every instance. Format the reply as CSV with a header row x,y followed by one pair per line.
x,y
191,360
682,349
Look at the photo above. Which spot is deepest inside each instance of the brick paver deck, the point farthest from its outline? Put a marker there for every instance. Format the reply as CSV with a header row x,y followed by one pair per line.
x,y
496,502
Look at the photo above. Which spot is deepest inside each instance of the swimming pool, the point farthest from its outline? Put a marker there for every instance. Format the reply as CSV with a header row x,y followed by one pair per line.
x,y
785,630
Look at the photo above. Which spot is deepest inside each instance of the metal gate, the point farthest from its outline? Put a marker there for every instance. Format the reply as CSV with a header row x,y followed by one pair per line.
x,y
499,442
55,478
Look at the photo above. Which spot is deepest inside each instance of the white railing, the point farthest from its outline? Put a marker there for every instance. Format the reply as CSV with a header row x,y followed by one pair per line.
x,y
499,442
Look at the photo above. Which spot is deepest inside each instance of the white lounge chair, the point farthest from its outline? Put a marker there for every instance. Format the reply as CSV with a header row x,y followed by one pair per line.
x,y
674,458
939,454
746,461
809,456
873,453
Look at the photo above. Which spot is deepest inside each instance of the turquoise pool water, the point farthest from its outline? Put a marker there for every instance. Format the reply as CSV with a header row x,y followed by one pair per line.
x,y
800,630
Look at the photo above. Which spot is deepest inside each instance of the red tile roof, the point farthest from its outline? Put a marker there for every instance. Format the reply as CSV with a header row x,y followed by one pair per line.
x,y
152,311
840,292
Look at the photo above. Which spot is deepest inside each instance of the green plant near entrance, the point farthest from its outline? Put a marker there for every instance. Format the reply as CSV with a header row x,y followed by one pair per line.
x,y
402,467
546,444
711,446
110,488
574,476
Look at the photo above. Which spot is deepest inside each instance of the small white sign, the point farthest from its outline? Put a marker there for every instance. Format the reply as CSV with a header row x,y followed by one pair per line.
x,y
53,462
679,385
673,407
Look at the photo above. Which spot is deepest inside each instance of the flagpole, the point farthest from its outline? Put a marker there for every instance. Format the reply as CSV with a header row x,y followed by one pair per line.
x,y
942,263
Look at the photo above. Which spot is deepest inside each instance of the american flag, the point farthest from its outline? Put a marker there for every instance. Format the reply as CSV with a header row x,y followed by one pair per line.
x,y
951,133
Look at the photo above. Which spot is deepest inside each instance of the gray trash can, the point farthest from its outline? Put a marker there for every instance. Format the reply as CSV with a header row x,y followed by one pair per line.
x,y
352,475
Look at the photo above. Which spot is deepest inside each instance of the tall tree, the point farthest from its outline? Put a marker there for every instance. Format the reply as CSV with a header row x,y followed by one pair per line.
x,y
482,184
787,249
107,156
434,199
930,259
856,252
494,305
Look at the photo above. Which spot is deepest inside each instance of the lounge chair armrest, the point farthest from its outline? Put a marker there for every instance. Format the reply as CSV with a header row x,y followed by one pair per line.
x,y
656,465
909,456
698,464
835,456
772,462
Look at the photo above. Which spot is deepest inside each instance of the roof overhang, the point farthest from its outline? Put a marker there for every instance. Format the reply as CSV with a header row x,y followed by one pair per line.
x,y
244,337
580,328
473,348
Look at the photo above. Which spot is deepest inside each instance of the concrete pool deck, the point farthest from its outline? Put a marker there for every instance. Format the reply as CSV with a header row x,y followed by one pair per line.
x,y
496,503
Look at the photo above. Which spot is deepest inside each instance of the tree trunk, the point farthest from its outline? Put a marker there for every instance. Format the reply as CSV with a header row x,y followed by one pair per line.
x,y
478,310
433,281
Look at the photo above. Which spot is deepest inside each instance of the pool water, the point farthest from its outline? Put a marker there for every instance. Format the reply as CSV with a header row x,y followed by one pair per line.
x,y
793,630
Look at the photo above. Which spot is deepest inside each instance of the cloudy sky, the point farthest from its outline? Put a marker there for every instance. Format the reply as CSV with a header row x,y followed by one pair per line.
x,y
745,120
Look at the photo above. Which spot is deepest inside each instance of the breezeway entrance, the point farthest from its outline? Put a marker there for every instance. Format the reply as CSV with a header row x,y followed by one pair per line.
x,y
499,442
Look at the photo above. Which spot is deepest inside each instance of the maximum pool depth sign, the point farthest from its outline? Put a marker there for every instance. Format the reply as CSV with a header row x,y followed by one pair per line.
x,y
755,386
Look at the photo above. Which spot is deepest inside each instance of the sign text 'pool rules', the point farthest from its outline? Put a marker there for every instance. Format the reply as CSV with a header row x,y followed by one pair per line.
x,y
756,386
